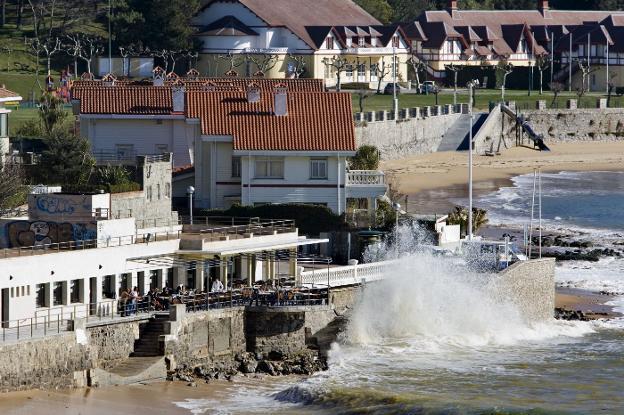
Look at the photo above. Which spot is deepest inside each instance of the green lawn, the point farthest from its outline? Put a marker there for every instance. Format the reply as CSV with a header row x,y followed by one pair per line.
x,y
482,98
20,116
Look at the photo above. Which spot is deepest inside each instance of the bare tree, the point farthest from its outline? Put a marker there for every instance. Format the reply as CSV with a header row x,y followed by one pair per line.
x,y
610,88
556,88
455,69
47,48
85,48
264,63
542,62
233,60
299,63
586,70
339,64
382,71
506,68
12,190
8,51
417,65
124,52
362,96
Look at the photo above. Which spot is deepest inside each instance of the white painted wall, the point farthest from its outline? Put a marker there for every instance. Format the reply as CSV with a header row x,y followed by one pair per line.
x,y
144,134
109,232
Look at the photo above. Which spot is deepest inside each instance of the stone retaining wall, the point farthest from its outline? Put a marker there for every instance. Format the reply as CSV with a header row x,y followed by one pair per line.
x,y
57,361
111,343
398,139
530,285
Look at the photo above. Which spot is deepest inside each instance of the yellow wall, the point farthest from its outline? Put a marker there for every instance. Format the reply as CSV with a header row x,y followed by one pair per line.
x,y
601,78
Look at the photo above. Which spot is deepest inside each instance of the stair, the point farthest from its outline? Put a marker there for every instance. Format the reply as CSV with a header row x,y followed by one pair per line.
x,y
131,370
456,137
148,343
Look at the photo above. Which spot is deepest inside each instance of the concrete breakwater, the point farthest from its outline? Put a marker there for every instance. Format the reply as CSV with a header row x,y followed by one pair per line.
x,y
214,343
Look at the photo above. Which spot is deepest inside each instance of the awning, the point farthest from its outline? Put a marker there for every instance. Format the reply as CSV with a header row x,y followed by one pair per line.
x,y
258,247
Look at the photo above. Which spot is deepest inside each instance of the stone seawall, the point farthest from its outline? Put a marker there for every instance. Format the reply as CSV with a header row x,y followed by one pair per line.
x,y
111,343
530,285
578,124
398,139
57,361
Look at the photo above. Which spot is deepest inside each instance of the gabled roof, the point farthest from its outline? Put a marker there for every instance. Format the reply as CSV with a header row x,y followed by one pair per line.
x,y
138,100
6,95
315,121
227,26
298,15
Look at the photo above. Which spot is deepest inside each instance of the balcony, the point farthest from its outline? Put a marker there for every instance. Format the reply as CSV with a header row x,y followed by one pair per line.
x,y
365,184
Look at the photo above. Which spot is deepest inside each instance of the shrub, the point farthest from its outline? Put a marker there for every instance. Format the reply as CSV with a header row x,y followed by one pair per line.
x,y
355,85
366,158
619,91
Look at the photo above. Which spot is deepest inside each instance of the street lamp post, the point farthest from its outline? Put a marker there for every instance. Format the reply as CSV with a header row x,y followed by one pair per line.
x,y
395,102
110,40
470,89
190,190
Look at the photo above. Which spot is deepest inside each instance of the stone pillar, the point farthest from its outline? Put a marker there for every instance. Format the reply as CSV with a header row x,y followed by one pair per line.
x,y
427,111
199,276
571,104
601,103
179,276
223,275
540,104
84,290
65,299
449,108
49,294
292,263
98,289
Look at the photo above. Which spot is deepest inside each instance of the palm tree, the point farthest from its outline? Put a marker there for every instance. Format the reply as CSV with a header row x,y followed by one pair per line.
x,y
459,216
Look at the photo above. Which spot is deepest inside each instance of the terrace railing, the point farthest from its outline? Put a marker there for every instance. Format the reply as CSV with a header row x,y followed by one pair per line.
x,y
365,178
348,275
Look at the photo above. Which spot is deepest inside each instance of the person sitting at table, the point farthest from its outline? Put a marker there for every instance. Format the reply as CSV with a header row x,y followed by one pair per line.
x,y
217,286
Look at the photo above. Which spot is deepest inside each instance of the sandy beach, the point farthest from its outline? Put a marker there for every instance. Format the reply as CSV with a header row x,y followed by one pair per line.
x,y
430,180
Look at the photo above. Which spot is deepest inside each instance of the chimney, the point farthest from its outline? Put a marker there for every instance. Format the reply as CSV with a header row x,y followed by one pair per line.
x,y
280,100
253,92
452,8
542,6
178,93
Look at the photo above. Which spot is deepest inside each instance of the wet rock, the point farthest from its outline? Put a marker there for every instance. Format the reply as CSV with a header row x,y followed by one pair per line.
x,y
265,366
570,315
249,366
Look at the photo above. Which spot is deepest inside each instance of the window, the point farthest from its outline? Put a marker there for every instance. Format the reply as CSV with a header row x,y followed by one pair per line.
x,y
153,279
40,293
57,294
349,70
158,191
167,190
361,70
236,167
124,151
361,41
74,291
270,167
318,168
329,43
374,67
161,148
108,289
349,42
395,41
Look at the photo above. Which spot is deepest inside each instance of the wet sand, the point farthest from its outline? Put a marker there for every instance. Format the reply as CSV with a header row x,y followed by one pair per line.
x,y
430,180
590,303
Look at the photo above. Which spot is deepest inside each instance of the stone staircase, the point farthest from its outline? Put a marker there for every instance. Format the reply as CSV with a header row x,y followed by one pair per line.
x,y
148,343
456,137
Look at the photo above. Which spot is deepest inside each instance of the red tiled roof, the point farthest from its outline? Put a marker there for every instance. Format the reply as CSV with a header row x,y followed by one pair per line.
x,y
152,100
297,15
5,93
177,171
315,121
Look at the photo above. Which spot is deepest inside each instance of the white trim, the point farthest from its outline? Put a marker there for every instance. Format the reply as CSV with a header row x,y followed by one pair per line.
x,y
216,138
11,99
293,153
131,117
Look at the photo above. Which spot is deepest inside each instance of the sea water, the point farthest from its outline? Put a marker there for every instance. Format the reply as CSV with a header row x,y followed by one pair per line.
x,y
435,340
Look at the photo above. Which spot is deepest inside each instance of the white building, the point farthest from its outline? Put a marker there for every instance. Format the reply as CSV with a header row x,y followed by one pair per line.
x,y
260,144
7,99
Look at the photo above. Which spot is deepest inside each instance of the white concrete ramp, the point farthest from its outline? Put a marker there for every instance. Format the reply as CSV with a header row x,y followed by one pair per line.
x,y
131,370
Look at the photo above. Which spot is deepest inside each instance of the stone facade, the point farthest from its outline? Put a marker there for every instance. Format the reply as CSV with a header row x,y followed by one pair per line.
x,y
398,139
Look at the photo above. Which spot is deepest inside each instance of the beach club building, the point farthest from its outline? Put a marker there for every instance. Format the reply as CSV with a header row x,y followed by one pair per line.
x,y
255,143
8,99
484,38
275,37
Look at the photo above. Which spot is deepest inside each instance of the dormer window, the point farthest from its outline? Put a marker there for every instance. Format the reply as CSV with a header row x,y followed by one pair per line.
x,y
329,42
361,41
395,41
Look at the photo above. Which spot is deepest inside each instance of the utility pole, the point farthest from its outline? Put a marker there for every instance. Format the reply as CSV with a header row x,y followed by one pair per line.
x,y
607,79
470,88
531,62
570,65
110,40
588,60
552,55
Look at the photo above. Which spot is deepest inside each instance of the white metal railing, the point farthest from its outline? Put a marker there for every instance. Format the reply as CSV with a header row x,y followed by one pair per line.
x,y
348,275
365,177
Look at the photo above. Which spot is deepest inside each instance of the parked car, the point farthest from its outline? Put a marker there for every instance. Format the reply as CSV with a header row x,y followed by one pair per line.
x,y
427,87
388,88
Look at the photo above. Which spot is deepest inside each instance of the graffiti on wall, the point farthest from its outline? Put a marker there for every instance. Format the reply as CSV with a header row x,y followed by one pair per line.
x,y
37,233
49,206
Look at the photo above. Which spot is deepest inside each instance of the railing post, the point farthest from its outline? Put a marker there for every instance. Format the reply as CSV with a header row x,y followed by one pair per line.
x,y
31,328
